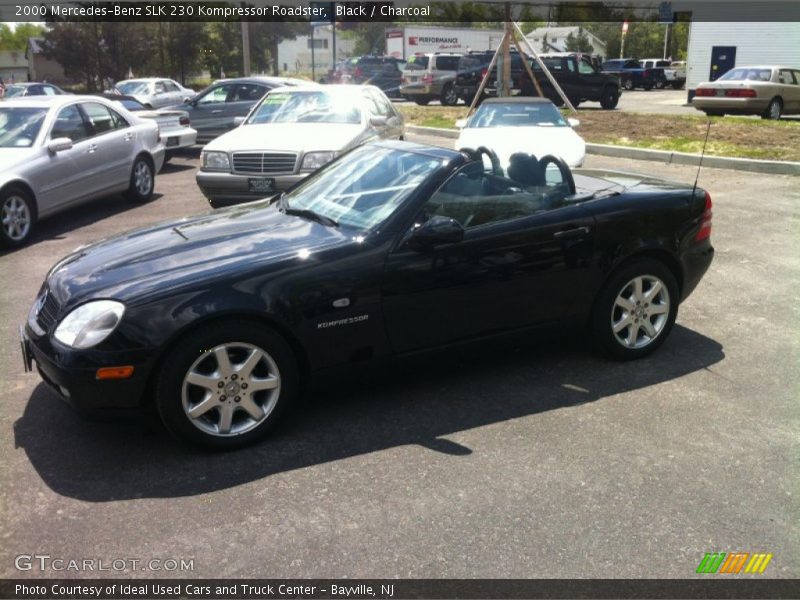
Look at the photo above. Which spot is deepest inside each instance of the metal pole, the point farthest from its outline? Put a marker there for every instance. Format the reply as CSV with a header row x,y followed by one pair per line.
x,y
245,48
666,37
545,69
313,70
507,53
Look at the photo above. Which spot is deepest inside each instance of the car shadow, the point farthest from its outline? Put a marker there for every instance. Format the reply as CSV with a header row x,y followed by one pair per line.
x,y
413,401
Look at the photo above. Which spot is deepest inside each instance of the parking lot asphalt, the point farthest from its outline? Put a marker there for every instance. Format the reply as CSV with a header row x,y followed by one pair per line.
x,y
532,457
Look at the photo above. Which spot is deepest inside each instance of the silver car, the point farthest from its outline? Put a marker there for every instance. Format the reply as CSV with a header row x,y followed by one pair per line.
x,y
59,151
291,132
155,92
768,90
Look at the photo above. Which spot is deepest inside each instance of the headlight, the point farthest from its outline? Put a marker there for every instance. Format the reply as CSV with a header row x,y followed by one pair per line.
x,y
216,161
314,160
89,324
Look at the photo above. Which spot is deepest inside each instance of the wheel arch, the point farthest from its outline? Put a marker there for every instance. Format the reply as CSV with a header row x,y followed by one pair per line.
x,y
22,184
259,319
661,255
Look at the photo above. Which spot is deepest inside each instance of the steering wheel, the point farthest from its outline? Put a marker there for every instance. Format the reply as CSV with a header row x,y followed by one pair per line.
x,y
566,174
497,167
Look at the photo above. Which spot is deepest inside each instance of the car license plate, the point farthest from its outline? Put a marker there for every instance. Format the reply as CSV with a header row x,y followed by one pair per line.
x,y
720,92
173,141
260,184
27,358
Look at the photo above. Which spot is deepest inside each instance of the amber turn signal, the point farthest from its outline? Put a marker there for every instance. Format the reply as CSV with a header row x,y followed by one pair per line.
x,y
115,372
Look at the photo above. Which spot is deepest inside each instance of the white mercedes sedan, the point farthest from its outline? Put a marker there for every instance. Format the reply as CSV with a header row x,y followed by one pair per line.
x,y
529,125
60,151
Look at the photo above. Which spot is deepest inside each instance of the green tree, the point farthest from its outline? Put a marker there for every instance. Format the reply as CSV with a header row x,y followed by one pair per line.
x,y
17,39
578,43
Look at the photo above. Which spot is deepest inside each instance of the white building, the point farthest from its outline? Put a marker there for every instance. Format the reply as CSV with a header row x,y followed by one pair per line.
x,y
717,47
294,56
556,38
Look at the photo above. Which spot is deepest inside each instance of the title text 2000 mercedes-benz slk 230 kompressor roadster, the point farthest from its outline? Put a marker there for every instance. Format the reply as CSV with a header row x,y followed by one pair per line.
x,y
392,248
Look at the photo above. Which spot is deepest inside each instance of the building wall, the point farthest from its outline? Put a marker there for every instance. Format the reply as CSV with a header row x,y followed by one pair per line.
x,y
294,56
771,43
42,69
13,62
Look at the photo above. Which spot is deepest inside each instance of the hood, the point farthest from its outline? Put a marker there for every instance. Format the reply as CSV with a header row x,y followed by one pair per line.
x,y
292,137
540,141
12,157
188,252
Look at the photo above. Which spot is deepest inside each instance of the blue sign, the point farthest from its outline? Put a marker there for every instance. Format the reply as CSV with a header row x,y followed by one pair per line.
x,y
665,13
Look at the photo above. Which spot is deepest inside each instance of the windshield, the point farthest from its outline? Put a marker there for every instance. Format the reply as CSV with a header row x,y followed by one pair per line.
x,y
307,107
14,90
364,187
129,88
19,126
516,114
747,75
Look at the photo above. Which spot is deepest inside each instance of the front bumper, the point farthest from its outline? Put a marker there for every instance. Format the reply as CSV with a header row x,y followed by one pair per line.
x,y
72,374
231,188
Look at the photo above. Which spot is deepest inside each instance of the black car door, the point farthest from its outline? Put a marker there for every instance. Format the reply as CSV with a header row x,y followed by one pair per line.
x,y
208,112
520,263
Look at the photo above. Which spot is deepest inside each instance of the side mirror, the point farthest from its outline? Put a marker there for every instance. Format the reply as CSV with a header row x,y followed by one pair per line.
x,y
573,122
238,121
461,123
437,230
378,121
59,144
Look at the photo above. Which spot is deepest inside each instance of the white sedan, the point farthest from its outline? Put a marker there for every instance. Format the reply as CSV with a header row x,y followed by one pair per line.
x,y
530,125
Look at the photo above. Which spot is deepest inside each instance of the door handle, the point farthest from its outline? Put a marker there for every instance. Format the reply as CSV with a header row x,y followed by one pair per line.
x,y
128,136
92,147
568,234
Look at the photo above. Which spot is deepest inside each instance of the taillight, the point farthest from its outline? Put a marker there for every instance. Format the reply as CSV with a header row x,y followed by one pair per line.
x,y
704,92
740,93
184,121
357,72
646,73
705,222
427,79
484,72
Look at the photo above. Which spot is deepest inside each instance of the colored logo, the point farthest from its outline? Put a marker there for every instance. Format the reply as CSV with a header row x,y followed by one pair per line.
x,y
734,562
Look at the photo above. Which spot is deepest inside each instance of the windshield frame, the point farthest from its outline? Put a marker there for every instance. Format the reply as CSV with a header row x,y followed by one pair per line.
x,y
45,111
333,93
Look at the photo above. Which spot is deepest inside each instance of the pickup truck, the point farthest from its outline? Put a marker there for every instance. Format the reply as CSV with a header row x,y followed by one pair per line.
x,y
574,72
633,75
676,74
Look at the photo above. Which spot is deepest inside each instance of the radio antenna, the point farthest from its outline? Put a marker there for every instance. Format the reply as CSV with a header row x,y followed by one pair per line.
x,y
702,154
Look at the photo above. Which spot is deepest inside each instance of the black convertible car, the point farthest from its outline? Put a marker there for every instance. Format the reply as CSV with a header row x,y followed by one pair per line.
x,y
392,248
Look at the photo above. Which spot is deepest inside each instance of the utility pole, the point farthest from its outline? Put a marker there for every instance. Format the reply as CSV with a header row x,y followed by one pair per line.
x,y
507,52
245,48
313,61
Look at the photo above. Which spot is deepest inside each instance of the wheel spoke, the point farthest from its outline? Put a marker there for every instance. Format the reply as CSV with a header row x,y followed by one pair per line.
x,y
202,407
248,365
252,409
265,383
653,291
637,289
633,335
648,327
625,303
225,418
205,381
658,309
622,324
223,361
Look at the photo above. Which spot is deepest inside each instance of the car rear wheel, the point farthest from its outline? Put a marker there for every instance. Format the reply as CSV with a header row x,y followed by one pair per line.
x,y
17,217
610,98
774,110
142,180
636,309
422,101
648,87
226,385
676,85
449,96
628,84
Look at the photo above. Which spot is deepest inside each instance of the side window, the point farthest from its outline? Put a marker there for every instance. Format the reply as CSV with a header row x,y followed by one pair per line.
x,y
35,90
372,105
570,64
585,68
171,87
69,123
160,88
49,90
796,77
248,92
100,118
447,63
786,76
382,105
216,95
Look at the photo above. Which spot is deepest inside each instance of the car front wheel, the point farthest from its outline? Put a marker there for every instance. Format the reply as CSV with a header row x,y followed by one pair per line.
x,y
17,217
449,96
226,385
636,309
142,180
610,98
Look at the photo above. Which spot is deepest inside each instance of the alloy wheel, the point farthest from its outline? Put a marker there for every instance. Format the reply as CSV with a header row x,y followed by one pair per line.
x,y
231,389
775,110
143,178
640,311
16,218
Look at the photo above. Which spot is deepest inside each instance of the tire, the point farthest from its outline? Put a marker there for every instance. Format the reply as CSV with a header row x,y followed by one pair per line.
x,y
609,98
422,101
449,96
17,217
617,301
169,155
647,87
714,113
773,110
660,85
222,396
576,103
628,84
676,85
142,180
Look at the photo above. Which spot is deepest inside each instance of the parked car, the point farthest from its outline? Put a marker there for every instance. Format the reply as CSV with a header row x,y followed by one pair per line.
x,y
291,133
59,151
383,72
154,92
676,74
431,76
471,69
174,125
530,125
214,110
769,91
633,75
659,67
392,248
32,88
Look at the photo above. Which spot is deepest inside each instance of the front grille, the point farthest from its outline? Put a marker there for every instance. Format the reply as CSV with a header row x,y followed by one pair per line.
x,y
264,162
48,312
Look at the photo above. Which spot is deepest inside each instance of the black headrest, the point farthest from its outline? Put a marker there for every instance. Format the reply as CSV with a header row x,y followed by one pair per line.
x,y
525,170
